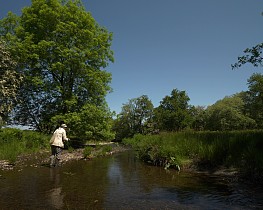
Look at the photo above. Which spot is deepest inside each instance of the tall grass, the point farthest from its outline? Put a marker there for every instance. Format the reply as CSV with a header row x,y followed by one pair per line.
x,y
14,142
240,149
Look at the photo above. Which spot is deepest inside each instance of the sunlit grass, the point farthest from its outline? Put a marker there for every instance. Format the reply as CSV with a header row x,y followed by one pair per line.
x,y
240,149
15,142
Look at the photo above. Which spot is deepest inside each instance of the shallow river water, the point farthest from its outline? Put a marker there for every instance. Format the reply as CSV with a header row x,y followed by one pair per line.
x,y
121,182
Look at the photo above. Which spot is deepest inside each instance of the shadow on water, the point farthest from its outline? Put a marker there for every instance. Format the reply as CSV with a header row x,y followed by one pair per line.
x,y
121,182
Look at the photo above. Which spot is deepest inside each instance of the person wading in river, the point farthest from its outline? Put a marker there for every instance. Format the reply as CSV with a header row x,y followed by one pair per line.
x,y
57,144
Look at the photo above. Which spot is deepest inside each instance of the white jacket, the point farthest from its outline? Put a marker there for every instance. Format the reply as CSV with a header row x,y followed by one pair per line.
x,y
58,137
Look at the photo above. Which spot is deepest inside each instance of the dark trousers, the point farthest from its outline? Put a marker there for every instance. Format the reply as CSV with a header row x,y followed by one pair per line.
x,y
55,155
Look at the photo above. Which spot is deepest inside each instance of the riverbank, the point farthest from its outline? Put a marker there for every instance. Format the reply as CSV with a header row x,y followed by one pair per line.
x,y
41,159
233,153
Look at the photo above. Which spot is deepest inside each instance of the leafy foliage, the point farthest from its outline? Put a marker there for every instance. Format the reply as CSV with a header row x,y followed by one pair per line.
x,y
254,99
91,122
135,117
10,81
228,114
62,53
198,114
173,114
252,55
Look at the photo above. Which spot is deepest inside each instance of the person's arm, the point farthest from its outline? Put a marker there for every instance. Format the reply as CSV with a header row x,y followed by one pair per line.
x,y
64,136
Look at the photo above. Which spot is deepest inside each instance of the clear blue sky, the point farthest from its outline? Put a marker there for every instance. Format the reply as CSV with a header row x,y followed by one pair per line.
x,y
185,44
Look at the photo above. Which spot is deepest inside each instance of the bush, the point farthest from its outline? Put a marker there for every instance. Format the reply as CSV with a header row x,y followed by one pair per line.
x,y
87,151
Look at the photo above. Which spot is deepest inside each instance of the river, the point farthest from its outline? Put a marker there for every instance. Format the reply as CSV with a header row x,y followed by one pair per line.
x,y
121,181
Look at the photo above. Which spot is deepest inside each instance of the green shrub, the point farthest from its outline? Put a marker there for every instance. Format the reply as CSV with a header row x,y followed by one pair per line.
x,y
106,148
102,150
87,151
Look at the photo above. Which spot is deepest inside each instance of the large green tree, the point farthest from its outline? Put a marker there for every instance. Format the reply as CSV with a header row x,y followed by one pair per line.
x,y
135,117
62,54
174,112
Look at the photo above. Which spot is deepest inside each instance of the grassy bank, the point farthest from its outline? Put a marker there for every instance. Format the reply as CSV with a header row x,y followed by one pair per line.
x,y
14,142
18,146
211,150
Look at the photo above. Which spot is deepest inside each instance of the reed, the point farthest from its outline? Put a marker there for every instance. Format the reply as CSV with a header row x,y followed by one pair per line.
x,y
239,149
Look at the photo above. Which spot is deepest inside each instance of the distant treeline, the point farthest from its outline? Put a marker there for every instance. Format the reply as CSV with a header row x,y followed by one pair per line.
x,y
241,111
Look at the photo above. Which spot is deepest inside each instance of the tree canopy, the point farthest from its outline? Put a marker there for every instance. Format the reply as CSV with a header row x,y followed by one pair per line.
x,y
173,114
228,114
134,117
62,53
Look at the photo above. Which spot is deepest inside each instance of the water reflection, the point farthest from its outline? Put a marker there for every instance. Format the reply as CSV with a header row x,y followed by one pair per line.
x,y
137,186
55,195
121,182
